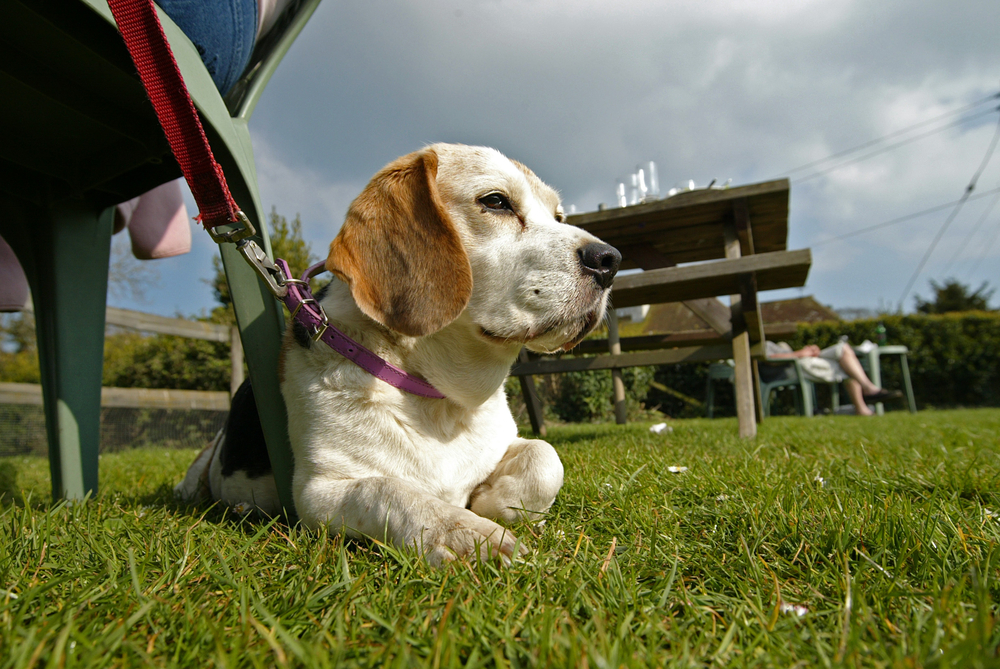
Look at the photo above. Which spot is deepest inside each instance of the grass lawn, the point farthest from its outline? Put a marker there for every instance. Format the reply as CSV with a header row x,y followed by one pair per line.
x,y
884,531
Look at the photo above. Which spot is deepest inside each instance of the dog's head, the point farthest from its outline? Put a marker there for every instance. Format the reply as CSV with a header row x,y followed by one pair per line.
x,y
453,229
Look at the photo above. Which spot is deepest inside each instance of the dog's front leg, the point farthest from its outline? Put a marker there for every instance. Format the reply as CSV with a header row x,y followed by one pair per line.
x,y
524,484
392,510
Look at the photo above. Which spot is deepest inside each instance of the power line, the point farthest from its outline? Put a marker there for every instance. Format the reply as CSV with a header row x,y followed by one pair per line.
x,y
890,147
986,250
902,131
901,219
954,213
972,232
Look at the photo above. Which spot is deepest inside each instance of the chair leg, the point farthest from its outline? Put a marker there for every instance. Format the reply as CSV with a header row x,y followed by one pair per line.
x,y
808,390
64,251
911,402
797,395
875,374
709,397
261,323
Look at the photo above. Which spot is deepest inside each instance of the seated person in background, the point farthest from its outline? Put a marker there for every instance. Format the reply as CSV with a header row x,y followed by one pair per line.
x,y
834,364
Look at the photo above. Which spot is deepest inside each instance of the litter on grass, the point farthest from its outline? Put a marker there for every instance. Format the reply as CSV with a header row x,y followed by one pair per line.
x,y
660,428
796,609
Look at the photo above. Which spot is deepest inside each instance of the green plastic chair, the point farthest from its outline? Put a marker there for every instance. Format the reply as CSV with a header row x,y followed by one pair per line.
x,y
774,375
81,136
778,374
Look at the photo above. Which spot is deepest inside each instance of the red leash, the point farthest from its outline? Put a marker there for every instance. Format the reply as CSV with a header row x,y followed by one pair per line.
x,y
153,58
143,35
161,77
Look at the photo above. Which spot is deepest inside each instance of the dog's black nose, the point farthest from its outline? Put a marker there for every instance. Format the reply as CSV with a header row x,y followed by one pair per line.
x,y
600,260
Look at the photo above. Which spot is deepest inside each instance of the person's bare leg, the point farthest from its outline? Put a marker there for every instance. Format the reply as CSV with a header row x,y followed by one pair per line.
x,y
853,389
852,367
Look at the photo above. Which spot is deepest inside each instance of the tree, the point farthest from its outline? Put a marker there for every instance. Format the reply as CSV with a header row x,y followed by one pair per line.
x,y
286,242
128,276
955,296
18,349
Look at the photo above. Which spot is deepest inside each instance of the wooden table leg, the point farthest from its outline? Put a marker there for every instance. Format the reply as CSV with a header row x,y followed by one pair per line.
x,y
758,400
615,348
536,412
743,379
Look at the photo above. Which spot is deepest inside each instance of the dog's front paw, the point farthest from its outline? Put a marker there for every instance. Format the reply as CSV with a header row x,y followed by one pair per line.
x,y
468,536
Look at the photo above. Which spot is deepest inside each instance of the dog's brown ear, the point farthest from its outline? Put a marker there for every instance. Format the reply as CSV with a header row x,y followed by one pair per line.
x,y
399,251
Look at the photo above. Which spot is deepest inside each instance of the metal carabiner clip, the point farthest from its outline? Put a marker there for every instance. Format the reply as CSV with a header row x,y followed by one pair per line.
x,y
241,232
264,267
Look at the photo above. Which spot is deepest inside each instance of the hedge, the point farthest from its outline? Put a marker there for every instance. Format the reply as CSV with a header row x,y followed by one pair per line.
x,y
954,362
132,360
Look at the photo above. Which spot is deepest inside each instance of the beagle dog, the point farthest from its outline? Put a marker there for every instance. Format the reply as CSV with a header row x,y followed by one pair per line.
x,y
450,261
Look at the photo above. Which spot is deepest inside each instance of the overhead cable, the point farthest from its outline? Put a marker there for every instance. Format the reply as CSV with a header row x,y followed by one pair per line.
x,y
954,213
896,133
972,232
890,147
986,250
901,219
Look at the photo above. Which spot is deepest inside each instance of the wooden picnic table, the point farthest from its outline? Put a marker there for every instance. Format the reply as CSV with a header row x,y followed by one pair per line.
x,y
692,248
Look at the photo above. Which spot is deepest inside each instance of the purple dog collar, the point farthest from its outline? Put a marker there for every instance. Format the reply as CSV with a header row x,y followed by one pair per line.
x,y
308,313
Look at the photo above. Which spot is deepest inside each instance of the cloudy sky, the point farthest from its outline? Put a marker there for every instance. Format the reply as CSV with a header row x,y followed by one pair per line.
x,y
583,91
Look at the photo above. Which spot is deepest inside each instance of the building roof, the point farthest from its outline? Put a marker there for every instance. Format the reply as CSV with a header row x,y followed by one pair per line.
x,y
675,317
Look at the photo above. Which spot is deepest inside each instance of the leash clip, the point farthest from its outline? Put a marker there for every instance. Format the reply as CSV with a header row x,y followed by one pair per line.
x,y
241,231
265,268
236,231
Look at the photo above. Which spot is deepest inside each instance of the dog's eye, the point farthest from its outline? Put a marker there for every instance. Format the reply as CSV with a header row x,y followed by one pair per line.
x,y
560,217
496,202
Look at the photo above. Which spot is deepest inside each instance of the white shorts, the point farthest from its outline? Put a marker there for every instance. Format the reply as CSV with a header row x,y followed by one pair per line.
x,y
825,368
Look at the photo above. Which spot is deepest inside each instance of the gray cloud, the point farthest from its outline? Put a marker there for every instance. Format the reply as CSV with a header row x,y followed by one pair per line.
x,y
584,91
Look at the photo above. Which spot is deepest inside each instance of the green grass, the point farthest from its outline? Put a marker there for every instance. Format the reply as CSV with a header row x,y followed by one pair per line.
x,y
883,529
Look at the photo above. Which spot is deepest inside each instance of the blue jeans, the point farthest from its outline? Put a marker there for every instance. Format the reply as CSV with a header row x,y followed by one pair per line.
x,y
223,31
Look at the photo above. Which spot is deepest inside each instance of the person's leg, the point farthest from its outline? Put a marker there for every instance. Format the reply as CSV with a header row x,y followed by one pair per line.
x,y
857,398
223,31
852,367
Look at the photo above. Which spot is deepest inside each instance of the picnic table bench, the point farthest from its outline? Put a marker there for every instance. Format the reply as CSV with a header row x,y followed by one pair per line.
x,y
733,241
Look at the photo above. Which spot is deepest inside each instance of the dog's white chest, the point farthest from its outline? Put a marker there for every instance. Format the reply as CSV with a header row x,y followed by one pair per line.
x,y
446,455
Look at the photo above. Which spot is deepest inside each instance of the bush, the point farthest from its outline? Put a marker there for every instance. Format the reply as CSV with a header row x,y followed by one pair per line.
x,y
161,361
677,390
586,396
133,360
